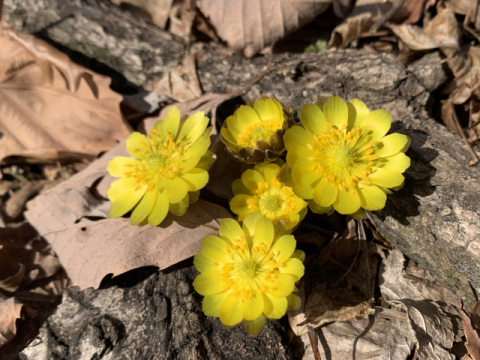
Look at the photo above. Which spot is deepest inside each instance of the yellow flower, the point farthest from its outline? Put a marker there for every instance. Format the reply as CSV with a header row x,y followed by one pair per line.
x,y
168,171
254,133
248,273
259,190
342,158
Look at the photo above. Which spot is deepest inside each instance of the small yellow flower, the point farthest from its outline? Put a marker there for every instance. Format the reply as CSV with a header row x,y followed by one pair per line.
x,y
248,273
342,158
259,190
168,171
254,133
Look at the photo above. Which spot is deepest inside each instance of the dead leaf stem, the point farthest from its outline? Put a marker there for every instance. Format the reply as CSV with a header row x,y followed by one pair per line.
x,y
121,219
474,160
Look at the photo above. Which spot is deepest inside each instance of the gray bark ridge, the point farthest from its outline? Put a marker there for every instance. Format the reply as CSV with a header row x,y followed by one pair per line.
x,y
101,31
435,218
158,318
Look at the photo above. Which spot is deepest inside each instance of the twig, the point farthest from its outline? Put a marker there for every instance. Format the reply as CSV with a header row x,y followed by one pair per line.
x,y
471,31
362,237
122,219
379,23
312,335
474,160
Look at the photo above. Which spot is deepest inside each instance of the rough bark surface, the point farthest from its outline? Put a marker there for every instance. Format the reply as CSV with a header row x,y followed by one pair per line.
x,y
100,30
158,318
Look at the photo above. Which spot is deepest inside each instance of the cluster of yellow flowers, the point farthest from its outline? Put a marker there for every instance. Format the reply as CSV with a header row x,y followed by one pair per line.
x,y
338,156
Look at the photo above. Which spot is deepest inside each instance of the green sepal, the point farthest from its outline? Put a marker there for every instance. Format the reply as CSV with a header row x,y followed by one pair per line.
x,y
359,214
254,327
181,207
317,209
284,175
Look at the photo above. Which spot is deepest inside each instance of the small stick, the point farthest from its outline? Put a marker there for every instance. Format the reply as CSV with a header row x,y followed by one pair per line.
x,y
474,160
379,23
471,31
312,335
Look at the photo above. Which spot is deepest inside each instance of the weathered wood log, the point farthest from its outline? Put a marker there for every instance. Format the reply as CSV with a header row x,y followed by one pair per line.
x,y
101,32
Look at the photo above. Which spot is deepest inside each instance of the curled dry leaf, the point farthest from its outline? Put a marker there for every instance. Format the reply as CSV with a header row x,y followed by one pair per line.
x,y
51,108
471,328
249,26
90,246
10,311
352,27
157,9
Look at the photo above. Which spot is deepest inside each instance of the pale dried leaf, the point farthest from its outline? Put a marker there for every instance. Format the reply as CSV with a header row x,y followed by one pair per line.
x,y
10,311
91,249
349,29
181,83
471,329
249,26
468,8
52,108
182,16
157,9
432,322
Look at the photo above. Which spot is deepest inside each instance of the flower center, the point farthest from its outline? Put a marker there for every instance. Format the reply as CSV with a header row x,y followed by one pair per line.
x,y
346,157
260,131
274,201
248,271
162,160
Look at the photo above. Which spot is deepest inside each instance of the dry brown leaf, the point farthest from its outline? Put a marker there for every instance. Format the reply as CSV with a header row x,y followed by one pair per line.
x,y
92,248
351,28
182,16
249,26
10,311
471,329
470,8
52,108
157,9
181,83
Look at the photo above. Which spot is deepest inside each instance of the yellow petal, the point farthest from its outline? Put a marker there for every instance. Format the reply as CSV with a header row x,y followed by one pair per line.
x,y
347,203
267,109
312,118
126,202
391,145
399,162
299,155
253,307
283,248
230,230
387,178
238,204
325,193
198,130
120,187
357,111
196,121
213,248
255,326
270,172
250,223
238,187
335,111
181,207
195,179
231,311
274,307
293,267
242,217
377,124
144,207
176,189
285,288
293,220
372,198
119,165
296,136
171,121
251,178
189,164
198,148
207,160
263,232
304,192
211,304
203,263
227,135
160,209
246,116
138,145
208,284
304,174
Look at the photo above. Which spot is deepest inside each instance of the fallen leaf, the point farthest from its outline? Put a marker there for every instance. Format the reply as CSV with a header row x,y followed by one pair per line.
x,y
181,83
468,8
10,311
157,9
471,329
72,217
249,26
352,27
182,16
51,108
432,320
